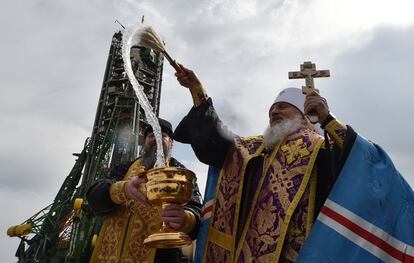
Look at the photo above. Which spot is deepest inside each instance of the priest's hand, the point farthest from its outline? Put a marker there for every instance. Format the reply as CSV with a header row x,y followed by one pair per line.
x,y
137,190
187,78
318,104
173,215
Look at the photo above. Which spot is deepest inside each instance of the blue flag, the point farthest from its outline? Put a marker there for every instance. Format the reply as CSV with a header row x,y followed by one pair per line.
x,y
209,197
369,214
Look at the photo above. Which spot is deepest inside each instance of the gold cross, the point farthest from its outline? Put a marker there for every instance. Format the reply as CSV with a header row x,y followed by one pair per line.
x,y
308,72
294,150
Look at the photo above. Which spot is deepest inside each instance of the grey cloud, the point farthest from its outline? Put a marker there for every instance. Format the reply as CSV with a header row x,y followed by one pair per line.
x,y
373,88
36,156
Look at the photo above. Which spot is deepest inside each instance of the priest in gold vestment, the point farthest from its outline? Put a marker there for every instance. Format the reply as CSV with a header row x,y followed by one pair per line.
x,y
272,186
129,218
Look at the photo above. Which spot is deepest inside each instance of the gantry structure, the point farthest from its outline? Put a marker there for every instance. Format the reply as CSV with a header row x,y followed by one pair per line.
x,y
66,230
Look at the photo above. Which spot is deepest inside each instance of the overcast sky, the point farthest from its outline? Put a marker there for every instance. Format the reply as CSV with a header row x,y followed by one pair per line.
x,y
53,56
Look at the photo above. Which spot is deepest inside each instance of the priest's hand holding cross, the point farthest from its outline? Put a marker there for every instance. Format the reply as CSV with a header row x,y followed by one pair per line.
x,y
316,108
318,105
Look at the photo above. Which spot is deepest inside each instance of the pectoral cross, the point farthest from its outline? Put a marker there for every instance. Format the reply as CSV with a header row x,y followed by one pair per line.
x,y
308,72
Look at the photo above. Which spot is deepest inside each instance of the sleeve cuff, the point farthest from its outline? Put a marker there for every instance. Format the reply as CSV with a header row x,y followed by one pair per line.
x,y
327,120
337,131
117,192
199,95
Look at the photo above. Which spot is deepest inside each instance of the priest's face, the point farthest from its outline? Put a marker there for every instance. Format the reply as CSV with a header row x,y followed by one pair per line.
x,y
149,154
150,141
281,111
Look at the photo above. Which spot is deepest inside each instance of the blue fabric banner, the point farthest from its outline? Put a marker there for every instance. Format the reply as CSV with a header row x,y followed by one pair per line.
x,y
209,195
369,214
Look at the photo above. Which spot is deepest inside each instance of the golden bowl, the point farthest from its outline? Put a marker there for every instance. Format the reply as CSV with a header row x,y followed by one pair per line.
x,y
169,185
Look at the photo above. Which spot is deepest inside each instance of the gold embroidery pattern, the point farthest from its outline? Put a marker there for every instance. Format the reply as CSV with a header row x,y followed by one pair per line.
x,y
271,212
295,149
274,207
226,199
135,169
145,220
216,254
117,192
108,248
337,131
249,145
264,228
199,95
122,234
296,233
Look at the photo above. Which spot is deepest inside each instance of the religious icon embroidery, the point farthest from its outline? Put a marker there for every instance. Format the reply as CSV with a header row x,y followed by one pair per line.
x,y
294,150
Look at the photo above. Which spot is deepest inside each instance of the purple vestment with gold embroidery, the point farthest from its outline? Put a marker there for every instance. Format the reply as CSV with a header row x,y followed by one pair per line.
x,y
281,211
264,203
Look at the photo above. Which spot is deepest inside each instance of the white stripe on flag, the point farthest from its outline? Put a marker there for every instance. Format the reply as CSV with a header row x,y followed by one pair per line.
x,y
366,235
410,250
208,203
366,225
376,251
206,216
207,209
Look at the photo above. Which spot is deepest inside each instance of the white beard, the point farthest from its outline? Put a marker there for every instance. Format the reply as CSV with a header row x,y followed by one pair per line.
x,y
276,133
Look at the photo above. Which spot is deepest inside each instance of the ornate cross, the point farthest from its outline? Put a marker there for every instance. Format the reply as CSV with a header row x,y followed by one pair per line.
x,y
308,72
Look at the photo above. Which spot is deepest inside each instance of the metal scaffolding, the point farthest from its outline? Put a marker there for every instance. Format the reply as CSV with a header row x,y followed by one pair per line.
x,y
65,230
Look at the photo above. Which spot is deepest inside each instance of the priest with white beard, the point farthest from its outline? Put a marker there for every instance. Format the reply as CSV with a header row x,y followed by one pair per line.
x,y
270,187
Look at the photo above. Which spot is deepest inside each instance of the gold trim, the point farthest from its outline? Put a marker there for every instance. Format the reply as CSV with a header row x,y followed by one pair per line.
x,y
219,238
104,231
212,215
238,198
266,165
332,127
124,235
198,94
311,206
296,199
236,213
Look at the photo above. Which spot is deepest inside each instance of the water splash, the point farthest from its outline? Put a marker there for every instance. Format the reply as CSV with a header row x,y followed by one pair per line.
x,y
130,37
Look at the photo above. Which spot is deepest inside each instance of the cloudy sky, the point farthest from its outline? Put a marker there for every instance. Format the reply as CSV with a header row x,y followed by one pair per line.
x,y
53,56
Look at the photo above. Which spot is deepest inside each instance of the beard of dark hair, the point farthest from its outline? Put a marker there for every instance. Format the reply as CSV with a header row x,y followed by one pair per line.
x,y
149,155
